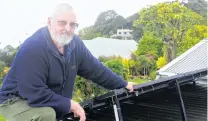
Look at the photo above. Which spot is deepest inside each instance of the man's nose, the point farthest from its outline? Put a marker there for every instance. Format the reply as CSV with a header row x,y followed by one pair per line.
x,y
68,28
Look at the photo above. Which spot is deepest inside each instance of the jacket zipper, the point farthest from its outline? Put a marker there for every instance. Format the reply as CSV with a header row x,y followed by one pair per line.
x,y
64,73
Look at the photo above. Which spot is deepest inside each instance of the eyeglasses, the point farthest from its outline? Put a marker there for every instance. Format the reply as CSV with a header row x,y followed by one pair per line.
x,y
63,23
72,25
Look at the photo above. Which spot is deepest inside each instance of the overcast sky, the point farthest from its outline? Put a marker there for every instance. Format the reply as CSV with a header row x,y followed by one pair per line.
x,y
19,17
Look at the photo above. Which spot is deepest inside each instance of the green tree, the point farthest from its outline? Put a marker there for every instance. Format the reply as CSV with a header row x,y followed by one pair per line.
x,y
169,21
7,55
150,44
108,58
126,66
144,65
85,89
200,7
192,37
130,20
5,71
116,66
106,24
137,31
161,62
132,67
105,17
2,65
89,33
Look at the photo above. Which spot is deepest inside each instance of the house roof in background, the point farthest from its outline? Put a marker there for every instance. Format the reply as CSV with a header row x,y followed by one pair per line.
x,y
193,59
110,47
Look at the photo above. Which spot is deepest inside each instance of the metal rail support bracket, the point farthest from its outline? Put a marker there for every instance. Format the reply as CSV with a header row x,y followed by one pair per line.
x,y
183,111
117,108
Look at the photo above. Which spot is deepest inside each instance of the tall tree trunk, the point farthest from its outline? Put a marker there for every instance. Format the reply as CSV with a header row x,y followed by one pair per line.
x,y
174,50
168,52
146,73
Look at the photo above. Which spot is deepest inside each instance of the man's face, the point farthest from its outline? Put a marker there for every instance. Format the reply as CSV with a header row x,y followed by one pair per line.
x,y
62,27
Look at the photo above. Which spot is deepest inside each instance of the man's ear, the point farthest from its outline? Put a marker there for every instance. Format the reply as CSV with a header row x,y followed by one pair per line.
x,y
49,22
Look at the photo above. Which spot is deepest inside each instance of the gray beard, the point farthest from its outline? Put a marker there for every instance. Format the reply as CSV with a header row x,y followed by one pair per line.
x,y
62,39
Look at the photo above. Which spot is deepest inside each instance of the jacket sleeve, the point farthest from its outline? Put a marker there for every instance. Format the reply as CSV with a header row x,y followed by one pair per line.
x,y
92,69
32,71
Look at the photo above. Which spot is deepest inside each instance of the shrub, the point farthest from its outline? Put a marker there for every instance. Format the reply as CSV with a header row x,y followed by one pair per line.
x,y
116,66
152,75
161,62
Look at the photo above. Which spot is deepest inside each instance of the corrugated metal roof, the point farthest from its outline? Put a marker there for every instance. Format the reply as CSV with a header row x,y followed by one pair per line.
x,y
110,47
193,59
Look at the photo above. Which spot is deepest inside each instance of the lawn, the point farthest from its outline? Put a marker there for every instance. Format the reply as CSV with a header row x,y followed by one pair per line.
x,y
138,80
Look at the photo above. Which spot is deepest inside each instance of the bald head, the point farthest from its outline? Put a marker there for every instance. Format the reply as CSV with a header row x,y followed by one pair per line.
x,y
64,7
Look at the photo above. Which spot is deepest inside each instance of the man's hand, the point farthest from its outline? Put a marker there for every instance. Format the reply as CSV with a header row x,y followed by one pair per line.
x,y
78,110
130,86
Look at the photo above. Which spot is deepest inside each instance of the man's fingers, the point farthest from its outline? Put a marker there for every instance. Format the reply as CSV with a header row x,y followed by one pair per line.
x,y
131,90
75,115
82,116
130,86
133,83
78,110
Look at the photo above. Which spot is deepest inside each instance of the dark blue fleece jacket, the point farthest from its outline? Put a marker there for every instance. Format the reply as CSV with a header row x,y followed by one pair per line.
x,y
43,77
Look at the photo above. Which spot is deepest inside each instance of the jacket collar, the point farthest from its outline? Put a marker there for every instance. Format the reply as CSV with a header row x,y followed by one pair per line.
x,y
51,46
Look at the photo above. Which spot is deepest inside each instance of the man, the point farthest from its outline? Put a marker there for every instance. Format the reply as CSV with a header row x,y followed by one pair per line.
x,y
40,82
